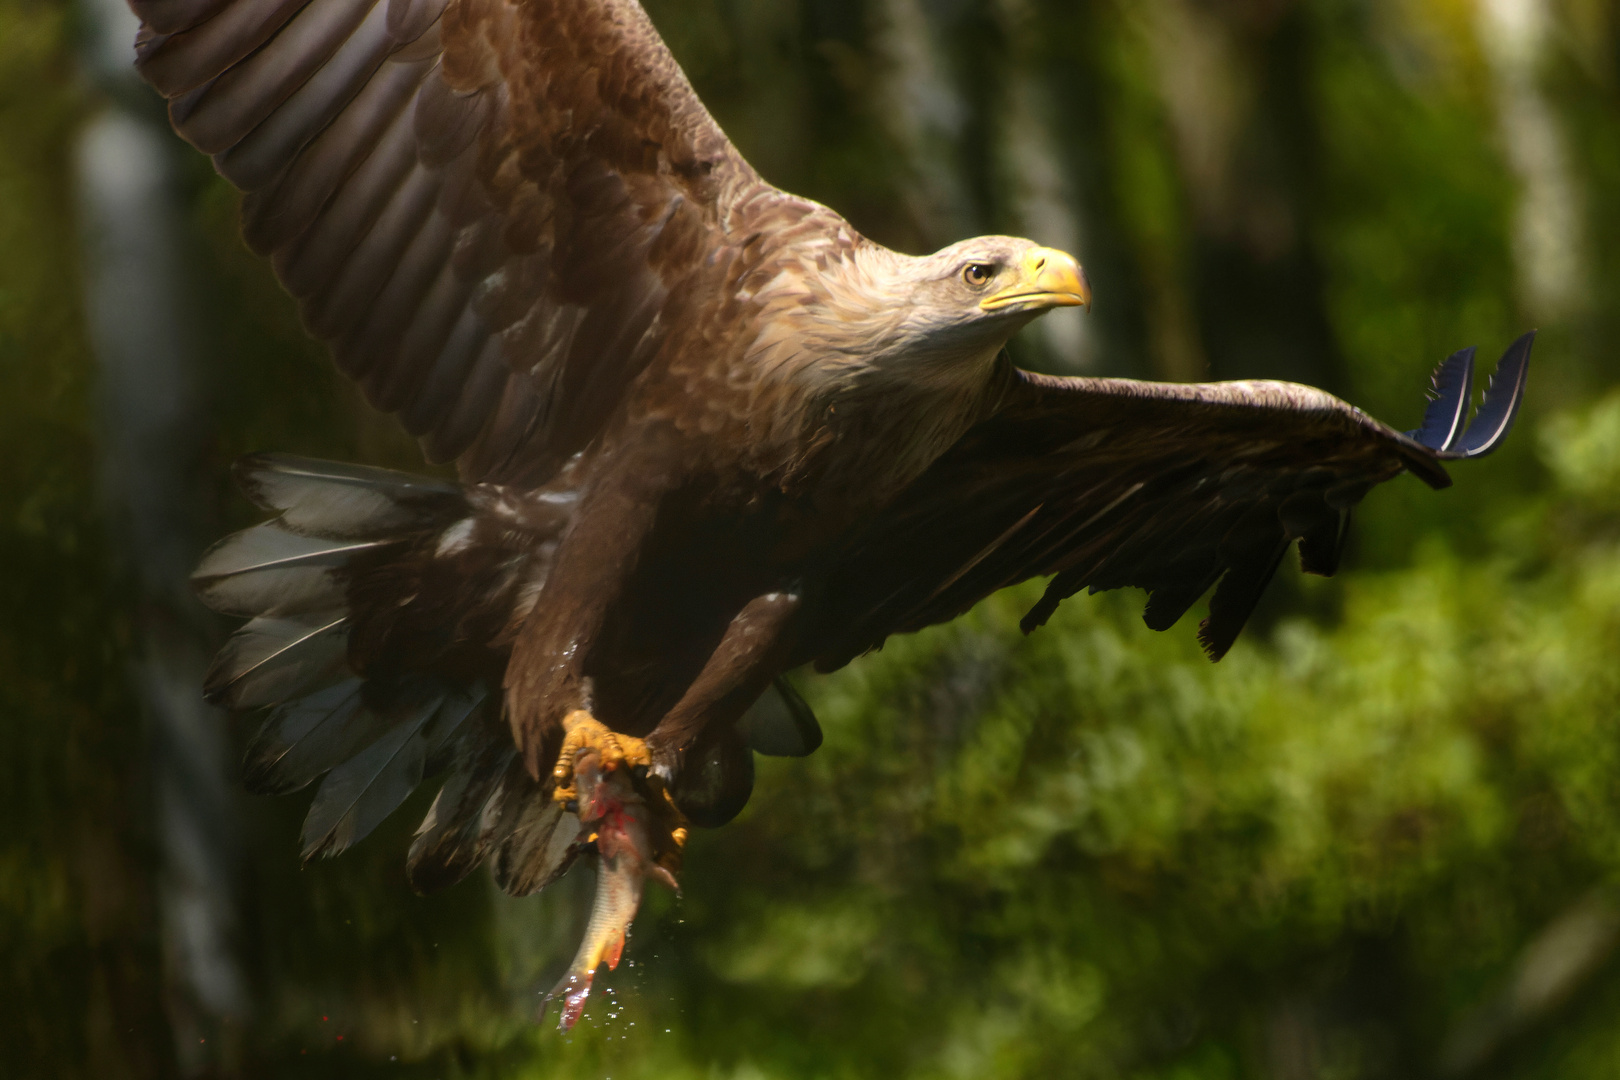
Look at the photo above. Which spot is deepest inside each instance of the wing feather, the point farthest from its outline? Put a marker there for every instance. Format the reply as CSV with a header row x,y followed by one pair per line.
x,y
409,322
179,63
483,206
245,94
275,216
1103,483
481,392
408,20
173,16
254,154
449,371
398,252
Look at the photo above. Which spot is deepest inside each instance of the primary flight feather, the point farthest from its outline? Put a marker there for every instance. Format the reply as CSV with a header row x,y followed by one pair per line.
x,y
706,433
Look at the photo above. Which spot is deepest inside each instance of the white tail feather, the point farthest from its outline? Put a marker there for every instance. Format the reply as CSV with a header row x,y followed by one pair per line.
x,y
267,570
323,498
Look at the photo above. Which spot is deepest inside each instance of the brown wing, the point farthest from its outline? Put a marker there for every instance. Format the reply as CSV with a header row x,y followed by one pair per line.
x,y
483,206
1106,483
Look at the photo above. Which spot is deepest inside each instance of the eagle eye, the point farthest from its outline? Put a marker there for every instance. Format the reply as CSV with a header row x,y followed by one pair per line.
x,y
978,275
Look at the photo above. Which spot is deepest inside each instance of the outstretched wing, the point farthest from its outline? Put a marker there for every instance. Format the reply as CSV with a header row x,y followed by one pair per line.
x,y
1171,488
483,206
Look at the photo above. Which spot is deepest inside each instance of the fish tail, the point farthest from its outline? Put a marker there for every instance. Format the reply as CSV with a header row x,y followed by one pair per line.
x,y
618,896
574,989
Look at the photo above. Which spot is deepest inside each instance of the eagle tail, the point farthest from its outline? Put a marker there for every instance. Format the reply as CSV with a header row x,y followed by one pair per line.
x,y
532,837
360,792
372,616
453,837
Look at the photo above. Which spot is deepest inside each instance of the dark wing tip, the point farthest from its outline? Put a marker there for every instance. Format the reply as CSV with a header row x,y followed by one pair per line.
x,y
1443,420
1239,590
1424,463
1442,430
1168,602
1503,397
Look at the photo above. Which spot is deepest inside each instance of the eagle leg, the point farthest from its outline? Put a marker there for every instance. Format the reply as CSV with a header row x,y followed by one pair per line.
x,y
750,655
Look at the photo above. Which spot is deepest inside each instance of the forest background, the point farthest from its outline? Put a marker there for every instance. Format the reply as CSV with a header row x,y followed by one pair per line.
x,y
1381,839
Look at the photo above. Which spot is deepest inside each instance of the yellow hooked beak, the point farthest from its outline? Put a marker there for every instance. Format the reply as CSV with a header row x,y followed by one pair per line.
x,y
1047,278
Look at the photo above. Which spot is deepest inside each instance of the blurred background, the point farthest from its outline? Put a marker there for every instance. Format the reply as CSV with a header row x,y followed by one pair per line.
x,y
1381,839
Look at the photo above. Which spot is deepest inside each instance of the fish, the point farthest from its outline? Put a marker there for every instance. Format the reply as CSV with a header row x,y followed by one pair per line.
x,y
609,803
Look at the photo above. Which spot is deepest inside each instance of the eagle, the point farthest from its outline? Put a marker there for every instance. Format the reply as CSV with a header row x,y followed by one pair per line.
x,y
704,433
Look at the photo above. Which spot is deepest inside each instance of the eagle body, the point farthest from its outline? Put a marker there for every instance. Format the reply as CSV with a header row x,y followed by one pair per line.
x,y
705,434
686,525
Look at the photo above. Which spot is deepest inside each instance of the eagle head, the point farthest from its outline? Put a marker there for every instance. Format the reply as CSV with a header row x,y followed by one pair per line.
x,y
889,357
898,347
956,309
993,279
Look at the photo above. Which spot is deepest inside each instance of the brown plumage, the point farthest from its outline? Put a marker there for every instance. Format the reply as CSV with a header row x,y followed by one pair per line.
x,y
706,432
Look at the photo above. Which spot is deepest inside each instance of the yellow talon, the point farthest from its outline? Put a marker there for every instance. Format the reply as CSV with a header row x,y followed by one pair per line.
x,y
582,733
585,732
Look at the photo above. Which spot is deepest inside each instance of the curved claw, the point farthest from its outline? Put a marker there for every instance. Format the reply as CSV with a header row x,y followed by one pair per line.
x,y
1442,421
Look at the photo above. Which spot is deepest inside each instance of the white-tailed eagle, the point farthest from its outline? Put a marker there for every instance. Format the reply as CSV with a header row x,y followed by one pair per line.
x,y
705,431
